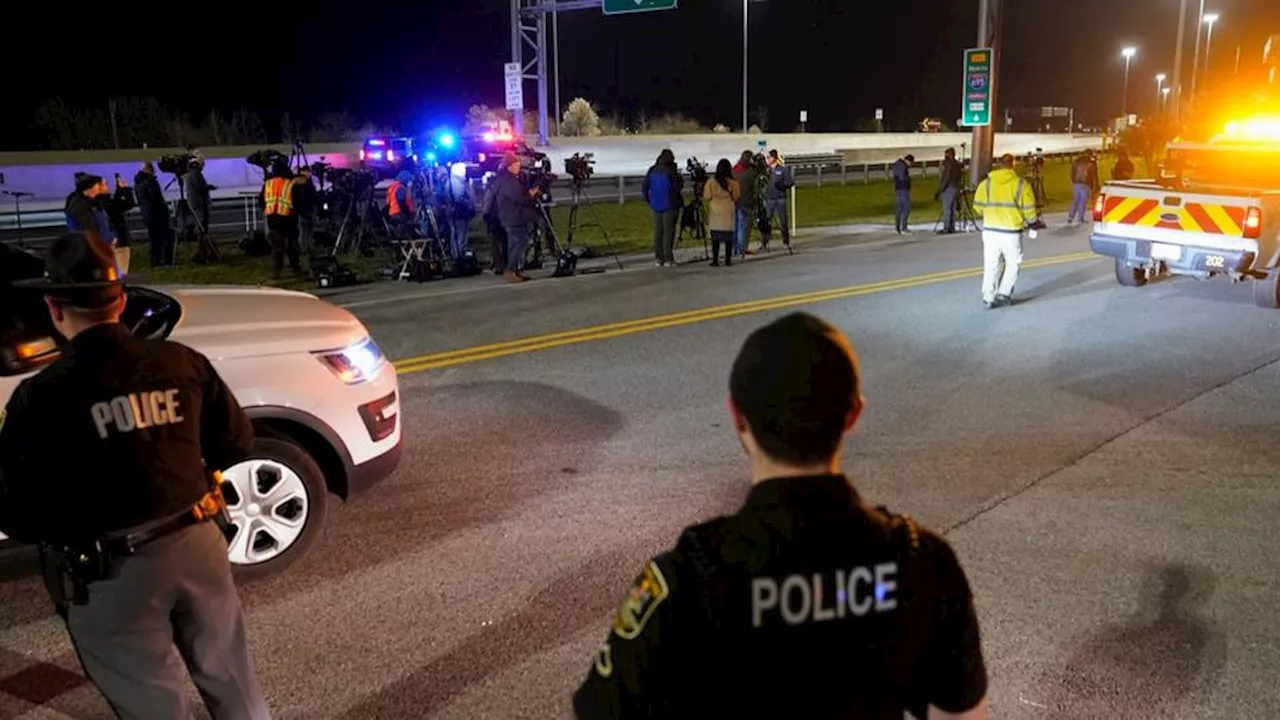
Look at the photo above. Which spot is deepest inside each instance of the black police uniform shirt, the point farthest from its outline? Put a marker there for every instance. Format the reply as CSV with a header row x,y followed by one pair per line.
x,y
805,604
112,435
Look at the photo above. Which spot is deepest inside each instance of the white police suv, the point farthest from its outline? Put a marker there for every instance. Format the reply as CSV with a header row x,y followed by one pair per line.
x,y
323,399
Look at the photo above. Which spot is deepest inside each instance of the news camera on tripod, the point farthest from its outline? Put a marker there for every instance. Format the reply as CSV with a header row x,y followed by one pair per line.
x,y
693,217
194,197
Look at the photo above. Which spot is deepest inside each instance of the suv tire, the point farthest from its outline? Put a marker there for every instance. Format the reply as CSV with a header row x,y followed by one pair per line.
x,y
289,478
1266,292
1130,276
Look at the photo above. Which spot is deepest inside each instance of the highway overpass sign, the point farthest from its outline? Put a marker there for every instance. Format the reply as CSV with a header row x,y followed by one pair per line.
x,y
622,7
977,87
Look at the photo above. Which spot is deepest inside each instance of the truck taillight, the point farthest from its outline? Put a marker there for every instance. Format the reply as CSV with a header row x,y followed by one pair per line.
x,y
1253,223
361,154
1097,207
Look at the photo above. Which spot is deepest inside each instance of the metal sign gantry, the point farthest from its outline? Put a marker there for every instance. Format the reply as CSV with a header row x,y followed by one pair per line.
x,y
529,27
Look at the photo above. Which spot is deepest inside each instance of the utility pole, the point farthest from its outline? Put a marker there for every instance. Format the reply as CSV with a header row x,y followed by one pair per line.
x,y
516,36
555,31
984,136
1177,61
115,134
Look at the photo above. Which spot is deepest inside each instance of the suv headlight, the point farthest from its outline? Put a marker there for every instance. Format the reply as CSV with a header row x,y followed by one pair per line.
x,y
355,364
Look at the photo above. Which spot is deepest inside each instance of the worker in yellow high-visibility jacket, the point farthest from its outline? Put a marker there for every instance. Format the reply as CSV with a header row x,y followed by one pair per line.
x,y
1007,205
282,223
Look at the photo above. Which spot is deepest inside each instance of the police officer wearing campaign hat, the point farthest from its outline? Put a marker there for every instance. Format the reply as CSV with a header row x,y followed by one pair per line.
x,y
107,461
806,603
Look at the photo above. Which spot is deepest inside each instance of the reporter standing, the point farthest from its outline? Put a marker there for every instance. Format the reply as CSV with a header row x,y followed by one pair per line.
x,y
131,551
722,194
516,211
662,189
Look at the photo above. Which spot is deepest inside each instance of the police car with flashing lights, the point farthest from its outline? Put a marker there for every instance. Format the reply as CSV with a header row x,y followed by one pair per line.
x,y
324,401
387,156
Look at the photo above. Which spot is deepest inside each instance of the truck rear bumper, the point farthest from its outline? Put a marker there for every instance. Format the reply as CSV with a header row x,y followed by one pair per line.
x,y
1190,260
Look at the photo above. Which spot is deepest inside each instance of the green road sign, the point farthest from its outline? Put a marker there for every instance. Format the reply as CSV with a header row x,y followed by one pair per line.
x,y
622,7
977,87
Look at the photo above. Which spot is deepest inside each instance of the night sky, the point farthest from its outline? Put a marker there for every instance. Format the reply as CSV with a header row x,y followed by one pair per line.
x,y
414,64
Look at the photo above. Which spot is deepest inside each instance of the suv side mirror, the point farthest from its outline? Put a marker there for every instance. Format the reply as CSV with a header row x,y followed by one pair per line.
x,y
19,357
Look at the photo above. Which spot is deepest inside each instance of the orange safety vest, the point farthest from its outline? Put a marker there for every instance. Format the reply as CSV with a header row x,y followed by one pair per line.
x,y
393,203
277,196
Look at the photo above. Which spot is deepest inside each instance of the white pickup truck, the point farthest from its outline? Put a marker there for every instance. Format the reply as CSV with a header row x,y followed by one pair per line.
x,y
1213,211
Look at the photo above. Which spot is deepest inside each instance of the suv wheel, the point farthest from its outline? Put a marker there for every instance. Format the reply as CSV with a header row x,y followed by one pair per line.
x,y
1130,276
276,501
1266,292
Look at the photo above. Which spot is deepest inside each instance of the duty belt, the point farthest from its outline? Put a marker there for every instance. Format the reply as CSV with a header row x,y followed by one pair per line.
x,y
210,507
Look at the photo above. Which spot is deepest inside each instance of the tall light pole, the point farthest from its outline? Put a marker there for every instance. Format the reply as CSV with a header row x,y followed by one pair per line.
x,y
1128,54
1159,89
1177,58
744,65
1209,20
1164,99
1195,61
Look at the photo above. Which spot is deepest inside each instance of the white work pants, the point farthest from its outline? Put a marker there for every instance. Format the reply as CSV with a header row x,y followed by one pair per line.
x,y
997,248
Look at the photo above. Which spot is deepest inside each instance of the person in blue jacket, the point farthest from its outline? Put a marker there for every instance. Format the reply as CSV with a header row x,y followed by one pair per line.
x,y
662,187
86,208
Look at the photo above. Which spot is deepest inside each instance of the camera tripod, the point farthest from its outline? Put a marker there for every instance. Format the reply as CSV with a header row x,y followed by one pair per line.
x,y
693,220
17,211
358,224
964,216
206,249
577,199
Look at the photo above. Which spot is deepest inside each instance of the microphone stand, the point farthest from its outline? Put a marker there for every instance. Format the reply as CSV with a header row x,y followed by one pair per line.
x,y
17,204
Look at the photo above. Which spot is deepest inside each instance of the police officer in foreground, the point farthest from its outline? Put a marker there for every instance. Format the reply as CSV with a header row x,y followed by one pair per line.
x,y
107,461
807,603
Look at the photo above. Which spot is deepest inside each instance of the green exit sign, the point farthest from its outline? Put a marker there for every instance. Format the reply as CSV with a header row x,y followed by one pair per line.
x,y
622,7
977,87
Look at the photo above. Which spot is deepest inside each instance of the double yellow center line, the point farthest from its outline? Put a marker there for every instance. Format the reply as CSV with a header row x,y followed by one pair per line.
x,y
689,317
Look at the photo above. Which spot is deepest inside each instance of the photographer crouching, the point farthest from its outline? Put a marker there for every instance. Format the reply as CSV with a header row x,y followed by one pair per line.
x,y
514,205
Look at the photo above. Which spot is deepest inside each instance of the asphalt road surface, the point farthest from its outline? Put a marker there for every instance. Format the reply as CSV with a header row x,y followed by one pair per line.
x,y
1104,459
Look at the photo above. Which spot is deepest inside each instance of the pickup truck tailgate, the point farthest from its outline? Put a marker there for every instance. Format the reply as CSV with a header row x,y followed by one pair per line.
x,y
1194,231
1157,213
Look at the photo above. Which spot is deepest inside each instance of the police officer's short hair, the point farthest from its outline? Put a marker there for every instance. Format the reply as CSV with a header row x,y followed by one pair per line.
x,y
795,382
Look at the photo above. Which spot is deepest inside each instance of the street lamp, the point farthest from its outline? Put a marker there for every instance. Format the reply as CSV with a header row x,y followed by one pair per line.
x,y
1209,20
1164,101
1160,88
1128,54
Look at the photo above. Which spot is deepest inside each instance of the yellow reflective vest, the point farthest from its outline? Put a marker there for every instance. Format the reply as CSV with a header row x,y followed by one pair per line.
x,y
1005,201
277,197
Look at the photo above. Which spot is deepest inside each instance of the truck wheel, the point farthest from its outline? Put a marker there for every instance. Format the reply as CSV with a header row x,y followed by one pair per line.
x,y
1130,276
1266,292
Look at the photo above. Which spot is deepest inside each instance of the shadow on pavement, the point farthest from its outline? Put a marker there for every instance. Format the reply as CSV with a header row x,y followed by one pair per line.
x,y
568,603
1167,650
475,454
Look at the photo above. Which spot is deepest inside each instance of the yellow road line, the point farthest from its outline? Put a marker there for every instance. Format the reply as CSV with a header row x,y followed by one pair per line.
x,y
689,317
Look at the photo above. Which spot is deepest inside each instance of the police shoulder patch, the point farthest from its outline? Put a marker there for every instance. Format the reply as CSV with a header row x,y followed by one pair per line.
x,y
646,595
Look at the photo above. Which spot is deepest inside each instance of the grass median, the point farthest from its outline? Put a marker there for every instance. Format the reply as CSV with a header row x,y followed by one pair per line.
x,y
629,227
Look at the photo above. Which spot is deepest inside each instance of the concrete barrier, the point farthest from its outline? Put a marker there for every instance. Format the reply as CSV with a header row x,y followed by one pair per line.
x,y
49,175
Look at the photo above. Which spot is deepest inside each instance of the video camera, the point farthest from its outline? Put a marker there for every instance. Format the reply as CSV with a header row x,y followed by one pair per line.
x,y
178,165
321,170
697,171
267,159
580,167
347,180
